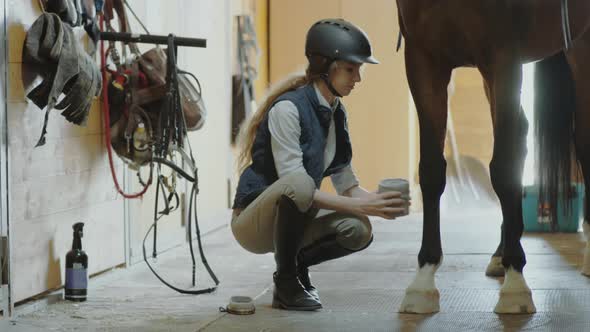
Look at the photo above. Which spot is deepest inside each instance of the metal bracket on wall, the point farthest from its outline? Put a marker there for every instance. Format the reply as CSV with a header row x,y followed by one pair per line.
x,y
5,305
3,260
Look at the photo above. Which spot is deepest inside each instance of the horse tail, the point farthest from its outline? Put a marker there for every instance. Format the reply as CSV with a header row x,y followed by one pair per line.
x,y
554,105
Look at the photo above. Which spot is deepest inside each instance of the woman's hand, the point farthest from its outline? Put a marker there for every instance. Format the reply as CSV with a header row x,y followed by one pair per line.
x,y
388,205
358,201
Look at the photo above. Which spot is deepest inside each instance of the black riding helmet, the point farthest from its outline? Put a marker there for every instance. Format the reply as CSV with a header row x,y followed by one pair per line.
x,y
338,39
329,40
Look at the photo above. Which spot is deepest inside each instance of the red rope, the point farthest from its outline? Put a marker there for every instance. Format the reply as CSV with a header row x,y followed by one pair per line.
x,y
107,120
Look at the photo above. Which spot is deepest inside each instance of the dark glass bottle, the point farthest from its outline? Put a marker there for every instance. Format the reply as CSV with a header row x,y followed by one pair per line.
x,y
76,268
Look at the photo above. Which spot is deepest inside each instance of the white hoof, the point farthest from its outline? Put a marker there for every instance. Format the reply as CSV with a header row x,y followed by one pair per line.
x,y
495,267
515,295
586,265
515,303
422,297
421,301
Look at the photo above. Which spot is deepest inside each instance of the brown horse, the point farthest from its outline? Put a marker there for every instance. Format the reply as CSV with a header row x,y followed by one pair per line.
x,y
498,37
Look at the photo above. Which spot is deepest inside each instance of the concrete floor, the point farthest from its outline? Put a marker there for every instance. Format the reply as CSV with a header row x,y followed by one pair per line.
x,y
361,292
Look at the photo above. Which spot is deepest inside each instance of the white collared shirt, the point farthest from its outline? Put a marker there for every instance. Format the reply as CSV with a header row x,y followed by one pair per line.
x,y
285,130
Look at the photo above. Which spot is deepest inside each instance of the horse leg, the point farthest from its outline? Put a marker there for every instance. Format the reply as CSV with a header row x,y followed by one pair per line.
x,y
581,74
506,167
586,226
428,79
583,153
495,267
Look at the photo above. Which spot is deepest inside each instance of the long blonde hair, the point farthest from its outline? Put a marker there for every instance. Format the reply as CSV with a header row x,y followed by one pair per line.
x,y
249,128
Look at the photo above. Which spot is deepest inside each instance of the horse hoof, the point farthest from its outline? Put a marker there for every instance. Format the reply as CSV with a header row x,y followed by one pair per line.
x,y
422,297
495,267
515,295
520,302
423,301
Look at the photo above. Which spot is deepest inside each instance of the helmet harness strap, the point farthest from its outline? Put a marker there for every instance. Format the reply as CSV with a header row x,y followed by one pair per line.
x,y
326,78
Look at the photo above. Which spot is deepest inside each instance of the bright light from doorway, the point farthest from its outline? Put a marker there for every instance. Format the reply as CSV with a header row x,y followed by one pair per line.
x,y
527,95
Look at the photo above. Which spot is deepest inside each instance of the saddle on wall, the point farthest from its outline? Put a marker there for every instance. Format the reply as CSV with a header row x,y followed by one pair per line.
x,y
140,112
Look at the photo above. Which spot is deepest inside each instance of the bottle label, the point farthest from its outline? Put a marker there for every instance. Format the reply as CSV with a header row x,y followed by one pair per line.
x,y
77,277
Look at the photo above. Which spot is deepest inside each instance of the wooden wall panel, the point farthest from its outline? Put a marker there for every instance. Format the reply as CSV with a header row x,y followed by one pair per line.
x,y
68,179
56,185
40,244
212,143
289,22
262,29
5,254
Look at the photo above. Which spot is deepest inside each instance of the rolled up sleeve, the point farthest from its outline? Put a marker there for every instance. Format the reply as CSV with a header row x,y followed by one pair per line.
x,y
344,179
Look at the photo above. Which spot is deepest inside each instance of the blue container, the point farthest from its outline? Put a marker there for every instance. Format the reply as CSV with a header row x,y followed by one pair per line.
x,y
535,216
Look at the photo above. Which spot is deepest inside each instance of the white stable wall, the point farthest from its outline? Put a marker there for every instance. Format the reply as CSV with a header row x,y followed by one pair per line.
x,y
68,180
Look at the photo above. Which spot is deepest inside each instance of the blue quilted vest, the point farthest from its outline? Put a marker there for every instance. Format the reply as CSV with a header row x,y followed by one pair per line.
x,y
315,121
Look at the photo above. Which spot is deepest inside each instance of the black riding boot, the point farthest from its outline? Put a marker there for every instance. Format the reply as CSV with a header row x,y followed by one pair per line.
x,y
323,250
289,229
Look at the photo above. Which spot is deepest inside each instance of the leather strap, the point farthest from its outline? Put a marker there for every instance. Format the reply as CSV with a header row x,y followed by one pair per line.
x,y
565,24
